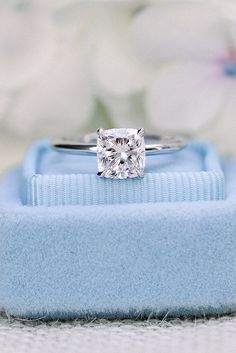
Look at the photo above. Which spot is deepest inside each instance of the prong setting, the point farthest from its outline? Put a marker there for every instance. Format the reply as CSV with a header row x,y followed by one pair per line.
x,y
99,131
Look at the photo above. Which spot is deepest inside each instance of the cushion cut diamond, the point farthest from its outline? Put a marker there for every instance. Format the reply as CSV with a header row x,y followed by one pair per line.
x,y
120,153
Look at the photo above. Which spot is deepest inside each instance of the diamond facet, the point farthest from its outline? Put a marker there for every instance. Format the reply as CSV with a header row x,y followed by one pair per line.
x,y
120,153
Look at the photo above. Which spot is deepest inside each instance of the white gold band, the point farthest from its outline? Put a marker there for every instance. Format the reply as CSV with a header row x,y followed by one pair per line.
x,y
87,144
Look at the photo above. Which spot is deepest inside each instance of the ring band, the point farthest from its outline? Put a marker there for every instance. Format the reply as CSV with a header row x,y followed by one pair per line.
x,y
120,152
87,144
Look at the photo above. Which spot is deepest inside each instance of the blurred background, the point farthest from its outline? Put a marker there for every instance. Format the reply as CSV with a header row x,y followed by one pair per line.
x,y
71,66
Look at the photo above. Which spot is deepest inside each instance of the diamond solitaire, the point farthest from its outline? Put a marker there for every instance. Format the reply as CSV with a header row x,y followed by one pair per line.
x,y
120,153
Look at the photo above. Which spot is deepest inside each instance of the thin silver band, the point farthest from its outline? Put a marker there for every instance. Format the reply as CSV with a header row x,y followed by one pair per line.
x,y
87,144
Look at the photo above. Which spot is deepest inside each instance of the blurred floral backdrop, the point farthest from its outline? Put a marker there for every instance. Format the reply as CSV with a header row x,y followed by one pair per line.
x,y
70,66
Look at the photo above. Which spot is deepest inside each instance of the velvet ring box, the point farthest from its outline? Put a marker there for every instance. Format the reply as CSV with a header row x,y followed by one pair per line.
x,y
76,245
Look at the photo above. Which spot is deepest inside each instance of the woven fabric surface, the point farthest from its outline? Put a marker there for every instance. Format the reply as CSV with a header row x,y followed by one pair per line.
x,y
197,336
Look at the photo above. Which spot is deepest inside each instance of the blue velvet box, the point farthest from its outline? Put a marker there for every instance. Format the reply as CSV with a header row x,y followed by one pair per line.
x,y
75,245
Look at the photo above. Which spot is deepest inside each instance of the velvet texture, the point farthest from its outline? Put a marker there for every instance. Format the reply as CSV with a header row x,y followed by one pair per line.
x,y
118,260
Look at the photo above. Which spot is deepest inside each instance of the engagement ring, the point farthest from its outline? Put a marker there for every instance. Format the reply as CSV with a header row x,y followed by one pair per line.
x,y
120,152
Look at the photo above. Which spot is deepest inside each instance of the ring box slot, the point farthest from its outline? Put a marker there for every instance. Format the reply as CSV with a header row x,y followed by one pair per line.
x,y
55,179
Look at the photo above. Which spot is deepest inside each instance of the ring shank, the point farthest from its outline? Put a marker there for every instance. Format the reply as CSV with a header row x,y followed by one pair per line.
x,y
154,144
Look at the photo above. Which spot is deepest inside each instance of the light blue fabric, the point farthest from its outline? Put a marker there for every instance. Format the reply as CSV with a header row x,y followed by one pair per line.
x,y
118,260
55,179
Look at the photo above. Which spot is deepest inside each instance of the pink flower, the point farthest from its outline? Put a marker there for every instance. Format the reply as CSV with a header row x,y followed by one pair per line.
x,y
194,90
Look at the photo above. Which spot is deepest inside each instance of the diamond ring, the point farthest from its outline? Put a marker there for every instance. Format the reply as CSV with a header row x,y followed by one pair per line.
x,y
120,152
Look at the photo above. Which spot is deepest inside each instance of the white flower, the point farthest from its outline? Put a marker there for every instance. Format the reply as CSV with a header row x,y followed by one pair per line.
x,y
120,77
44,75
93,60
59,102
27,45
4,103
117,69
194,89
